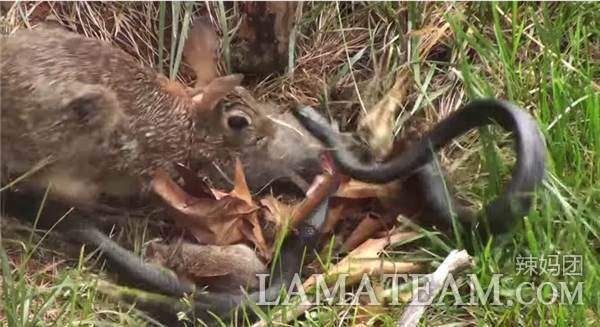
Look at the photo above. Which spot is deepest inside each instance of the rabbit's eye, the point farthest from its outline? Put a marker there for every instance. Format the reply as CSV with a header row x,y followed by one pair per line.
x,y
238,123
236,120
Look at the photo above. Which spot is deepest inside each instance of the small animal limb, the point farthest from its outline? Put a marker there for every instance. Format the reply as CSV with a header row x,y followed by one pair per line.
x,y
515,200
129,266
156,279
82,226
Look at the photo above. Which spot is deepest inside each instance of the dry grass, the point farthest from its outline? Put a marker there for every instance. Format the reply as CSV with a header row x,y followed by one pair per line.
x,y
347,56
327,38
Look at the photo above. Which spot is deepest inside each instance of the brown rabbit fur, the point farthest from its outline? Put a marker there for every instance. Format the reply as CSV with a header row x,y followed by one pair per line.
x,y
105,123
92,122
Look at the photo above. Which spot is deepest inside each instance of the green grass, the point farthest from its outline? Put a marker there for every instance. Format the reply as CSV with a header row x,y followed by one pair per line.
x,y
38,290
178,35
544,57
565,100
527,66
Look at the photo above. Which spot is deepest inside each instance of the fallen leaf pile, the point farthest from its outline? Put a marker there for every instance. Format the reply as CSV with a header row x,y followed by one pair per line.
x,y
221,219
233,242
214,218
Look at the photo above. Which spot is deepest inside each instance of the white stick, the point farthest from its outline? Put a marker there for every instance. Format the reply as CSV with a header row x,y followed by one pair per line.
x,y
455,261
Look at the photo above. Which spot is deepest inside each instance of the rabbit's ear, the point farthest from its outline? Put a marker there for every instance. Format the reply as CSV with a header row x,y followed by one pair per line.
x,y
200,51
206,98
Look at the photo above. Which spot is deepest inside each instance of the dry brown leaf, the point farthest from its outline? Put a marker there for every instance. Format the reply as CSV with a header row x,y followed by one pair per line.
x,y
218,194
364,263
352,197
228,218
365,260
377,126
334,215
276,211
365,229
228,231
255,235
242,192
192,184
240,187
343,208
209,220
354,189
173,195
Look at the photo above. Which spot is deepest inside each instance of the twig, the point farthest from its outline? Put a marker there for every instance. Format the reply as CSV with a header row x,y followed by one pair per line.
x,y
455,261
323,186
